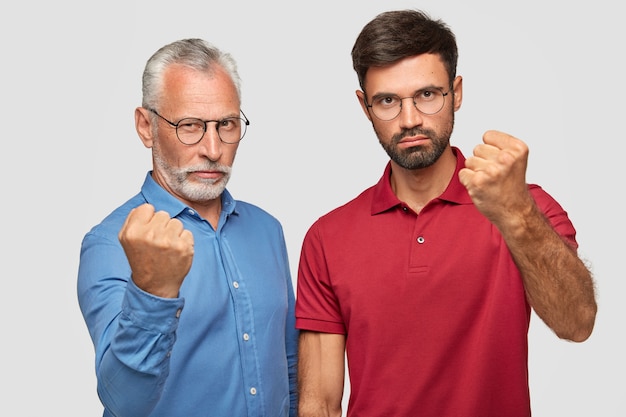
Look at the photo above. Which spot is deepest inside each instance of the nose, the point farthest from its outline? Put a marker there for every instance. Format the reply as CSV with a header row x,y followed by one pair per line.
x,y
211,146
409,115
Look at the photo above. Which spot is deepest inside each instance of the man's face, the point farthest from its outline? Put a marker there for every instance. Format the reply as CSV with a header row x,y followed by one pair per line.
x,y
194,173
413,139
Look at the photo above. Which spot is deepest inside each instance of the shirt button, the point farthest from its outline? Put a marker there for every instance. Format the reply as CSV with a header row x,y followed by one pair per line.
x,y
420,240
246,337
192,212
178,312
405,209
236,284
253,391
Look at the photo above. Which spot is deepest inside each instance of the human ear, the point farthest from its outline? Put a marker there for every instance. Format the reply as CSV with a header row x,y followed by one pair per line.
x,y
457,86
361,96
143,125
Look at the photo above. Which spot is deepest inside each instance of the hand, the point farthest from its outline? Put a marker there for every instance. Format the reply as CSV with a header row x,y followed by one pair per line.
x,y
159,250
495,177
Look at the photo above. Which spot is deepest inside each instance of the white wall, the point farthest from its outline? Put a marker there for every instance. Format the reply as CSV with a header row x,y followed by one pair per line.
x,y
70,80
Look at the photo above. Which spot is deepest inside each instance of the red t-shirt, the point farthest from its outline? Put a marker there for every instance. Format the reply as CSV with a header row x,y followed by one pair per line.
x,y
432,305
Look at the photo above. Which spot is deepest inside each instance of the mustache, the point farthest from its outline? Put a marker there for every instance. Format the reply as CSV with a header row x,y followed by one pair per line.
x,y
209,166
418,130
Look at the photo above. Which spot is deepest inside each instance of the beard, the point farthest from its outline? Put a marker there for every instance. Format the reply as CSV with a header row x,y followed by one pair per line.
x,y
199,190
420,156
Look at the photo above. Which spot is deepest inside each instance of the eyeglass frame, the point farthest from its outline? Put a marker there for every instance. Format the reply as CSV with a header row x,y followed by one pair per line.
x,y
369,106
217,126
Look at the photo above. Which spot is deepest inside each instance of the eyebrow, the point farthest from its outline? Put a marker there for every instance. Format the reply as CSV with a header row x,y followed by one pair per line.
x,y
387,94
233,116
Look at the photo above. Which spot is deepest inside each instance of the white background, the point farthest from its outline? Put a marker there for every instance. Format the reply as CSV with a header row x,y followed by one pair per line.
x,y
70,80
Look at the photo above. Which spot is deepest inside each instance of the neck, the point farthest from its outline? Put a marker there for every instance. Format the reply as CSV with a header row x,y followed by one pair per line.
x,y
417,187
210,210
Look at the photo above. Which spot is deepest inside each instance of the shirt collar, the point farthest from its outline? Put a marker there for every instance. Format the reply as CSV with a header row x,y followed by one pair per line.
x,y
385,199
163,200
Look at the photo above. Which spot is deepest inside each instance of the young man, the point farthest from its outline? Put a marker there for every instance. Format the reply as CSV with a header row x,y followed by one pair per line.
x,y
427,279
187,292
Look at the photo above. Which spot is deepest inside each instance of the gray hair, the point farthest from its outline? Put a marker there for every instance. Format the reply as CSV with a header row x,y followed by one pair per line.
x,y
193,53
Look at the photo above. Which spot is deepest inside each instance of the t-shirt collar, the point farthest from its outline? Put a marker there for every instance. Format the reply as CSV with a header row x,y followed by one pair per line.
x,y
385,199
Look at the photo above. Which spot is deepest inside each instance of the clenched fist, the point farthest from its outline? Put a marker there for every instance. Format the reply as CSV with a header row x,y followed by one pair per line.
x,y
159,250
495,177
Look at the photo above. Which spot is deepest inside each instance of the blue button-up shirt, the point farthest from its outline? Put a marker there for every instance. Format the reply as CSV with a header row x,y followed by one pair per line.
x,y
225,347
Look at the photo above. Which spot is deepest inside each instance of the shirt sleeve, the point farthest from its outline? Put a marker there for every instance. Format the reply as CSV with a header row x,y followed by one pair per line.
x,y
291,344
555,214
133,332
317,307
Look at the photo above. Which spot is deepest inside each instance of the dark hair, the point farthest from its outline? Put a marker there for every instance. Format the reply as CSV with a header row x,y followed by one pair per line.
x,y
395,35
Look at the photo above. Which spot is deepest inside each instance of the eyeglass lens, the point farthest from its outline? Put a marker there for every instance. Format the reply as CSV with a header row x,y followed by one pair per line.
x,y
230,130
428,101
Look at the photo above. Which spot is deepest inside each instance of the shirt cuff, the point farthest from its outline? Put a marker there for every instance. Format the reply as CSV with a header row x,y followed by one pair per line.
x,y
151,312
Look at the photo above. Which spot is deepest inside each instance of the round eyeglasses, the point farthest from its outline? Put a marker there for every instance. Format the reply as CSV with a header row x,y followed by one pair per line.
x,y
427,101
190,130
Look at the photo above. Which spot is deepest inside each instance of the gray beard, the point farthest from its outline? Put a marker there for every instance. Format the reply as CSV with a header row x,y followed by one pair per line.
x,y
198,191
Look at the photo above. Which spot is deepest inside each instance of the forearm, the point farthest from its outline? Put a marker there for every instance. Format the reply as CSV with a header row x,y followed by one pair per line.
x,y
558,285
126,392
320,374
134,358
291,343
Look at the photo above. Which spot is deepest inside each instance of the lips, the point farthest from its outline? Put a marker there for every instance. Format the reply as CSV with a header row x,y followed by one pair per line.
x,y
409,141
208,175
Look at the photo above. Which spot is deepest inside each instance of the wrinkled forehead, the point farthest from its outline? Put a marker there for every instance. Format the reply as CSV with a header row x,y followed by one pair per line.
x,y
189,92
